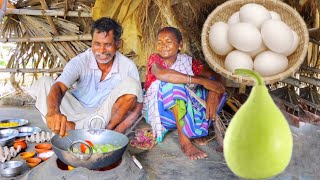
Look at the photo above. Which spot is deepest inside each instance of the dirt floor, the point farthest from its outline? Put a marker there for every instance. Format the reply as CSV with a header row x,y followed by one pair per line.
x,y
166,161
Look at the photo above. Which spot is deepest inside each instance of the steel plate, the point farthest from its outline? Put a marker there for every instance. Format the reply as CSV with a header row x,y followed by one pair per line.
x,y
7,134
20,121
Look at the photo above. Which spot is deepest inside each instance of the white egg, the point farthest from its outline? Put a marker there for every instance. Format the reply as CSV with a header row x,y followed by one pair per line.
x,y
294,44
275,15
234,18
245,37
260,49
277,36
270,63
218,38
237,59
254,14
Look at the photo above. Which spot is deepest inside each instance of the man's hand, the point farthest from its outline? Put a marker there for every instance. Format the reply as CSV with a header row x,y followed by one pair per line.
x,y
56,122
214,86
212,105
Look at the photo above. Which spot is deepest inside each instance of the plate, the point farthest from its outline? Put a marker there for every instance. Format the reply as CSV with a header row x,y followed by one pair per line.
x,y
21,122
28,131
7,136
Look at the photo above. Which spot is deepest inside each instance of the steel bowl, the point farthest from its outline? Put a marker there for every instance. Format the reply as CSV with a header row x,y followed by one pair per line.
x,y
28,131
7,136
11,168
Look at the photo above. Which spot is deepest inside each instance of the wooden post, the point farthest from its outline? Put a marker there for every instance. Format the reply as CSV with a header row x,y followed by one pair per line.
x,y
84,37
47,13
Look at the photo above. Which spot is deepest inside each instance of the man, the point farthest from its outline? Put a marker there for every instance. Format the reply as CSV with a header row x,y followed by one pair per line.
x,y
106,82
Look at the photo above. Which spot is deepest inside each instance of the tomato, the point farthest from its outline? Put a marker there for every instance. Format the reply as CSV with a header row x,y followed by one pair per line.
x,y
83,147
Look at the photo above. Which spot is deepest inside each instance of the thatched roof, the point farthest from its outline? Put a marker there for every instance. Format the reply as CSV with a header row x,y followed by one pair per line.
x,y
49,42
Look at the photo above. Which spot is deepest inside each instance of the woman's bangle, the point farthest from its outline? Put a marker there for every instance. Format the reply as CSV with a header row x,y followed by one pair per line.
x,y
188,80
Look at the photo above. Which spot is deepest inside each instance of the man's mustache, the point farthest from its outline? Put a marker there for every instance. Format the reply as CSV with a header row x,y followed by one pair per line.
x,y
103,54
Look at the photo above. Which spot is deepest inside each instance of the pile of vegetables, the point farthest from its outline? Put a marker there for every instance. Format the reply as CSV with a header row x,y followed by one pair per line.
x,y
254,38
96,148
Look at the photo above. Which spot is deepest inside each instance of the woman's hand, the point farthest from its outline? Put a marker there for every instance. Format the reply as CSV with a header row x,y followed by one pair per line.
x,y
212,105
214,86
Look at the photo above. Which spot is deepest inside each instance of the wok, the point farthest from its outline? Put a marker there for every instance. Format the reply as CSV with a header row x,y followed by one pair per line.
x,y
62,146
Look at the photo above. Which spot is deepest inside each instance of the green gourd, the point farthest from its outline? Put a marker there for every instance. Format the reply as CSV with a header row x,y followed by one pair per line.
x,y
258,140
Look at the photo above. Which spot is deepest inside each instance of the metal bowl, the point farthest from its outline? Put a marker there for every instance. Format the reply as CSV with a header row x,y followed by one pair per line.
x,y
7,136
11,168
20,122
28,131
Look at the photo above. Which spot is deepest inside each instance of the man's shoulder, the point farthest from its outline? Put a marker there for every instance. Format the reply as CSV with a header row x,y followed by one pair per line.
x,y
82,58
124,60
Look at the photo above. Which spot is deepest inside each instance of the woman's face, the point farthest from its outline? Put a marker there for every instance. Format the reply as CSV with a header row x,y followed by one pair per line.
x,y
167,45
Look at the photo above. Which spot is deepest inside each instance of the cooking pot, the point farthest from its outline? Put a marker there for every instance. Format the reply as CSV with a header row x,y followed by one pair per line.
x,y
63,147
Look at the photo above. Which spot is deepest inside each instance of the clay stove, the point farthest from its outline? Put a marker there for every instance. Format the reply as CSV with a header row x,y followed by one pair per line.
x,y
53,168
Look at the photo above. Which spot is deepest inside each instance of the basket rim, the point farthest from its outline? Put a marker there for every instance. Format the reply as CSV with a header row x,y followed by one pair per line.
x,y
246,80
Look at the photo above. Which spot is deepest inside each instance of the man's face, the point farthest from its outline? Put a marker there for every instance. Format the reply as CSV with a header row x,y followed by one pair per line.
x,y
104,46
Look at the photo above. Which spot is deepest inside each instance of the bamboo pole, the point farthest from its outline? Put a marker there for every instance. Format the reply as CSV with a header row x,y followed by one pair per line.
x,y
314,70
55,30
309,80
47,13
292,81
20,70
85,37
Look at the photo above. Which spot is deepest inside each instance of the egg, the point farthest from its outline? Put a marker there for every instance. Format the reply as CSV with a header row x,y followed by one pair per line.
x,y
277,36
269,63
294,44
244,37
254,14
237,59
275,15
218,38
260,49
234,18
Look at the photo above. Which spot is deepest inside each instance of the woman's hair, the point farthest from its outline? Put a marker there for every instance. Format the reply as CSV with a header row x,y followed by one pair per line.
x,y
106,25
172,30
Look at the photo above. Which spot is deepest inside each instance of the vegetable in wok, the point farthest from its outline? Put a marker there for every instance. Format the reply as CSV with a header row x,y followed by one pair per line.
x,y
96,148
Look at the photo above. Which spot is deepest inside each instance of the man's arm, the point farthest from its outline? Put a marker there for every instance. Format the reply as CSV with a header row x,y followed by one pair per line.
x,y
55,120
130,119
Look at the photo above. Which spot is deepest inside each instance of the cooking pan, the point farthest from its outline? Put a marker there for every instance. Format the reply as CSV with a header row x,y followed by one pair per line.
x,y
63,147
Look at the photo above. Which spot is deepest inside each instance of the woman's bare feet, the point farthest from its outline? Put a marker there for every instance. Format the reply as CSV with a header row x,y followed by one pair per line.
x,y
189,149
203,141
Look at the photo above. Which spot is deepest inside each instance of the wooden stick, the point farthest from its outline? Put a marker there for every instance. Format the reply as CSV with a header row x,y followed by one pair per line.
x,y
309,80
47,13
16,70
292,81
315,70
85,37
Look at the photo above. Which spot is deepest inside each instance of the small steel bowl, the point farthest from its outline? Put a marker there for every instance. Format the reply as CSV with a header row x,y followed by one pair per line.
x,y
7,136
11,168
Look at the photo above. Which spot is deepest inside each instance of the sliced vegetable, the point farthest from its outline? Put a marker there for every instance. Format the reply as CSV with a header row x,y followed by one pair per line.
x,y
84,148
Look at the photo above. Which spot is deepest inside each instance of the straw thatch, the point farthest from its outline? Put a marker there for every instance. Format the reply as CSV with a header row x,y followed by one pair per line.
x,y
53,43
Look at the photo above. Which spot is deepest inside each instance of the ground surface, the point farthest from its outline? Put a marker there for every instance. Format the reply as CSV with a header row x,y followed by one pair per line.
x,y
166,161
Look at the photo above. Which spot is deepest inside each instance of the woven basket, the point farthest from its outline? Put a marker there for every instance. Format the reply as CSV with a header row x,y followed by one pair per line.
x,y
288,15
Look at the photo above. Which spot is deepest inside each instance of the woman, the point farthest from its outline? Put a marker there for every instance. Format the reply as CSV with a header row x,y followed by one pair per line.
x,y
177,90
